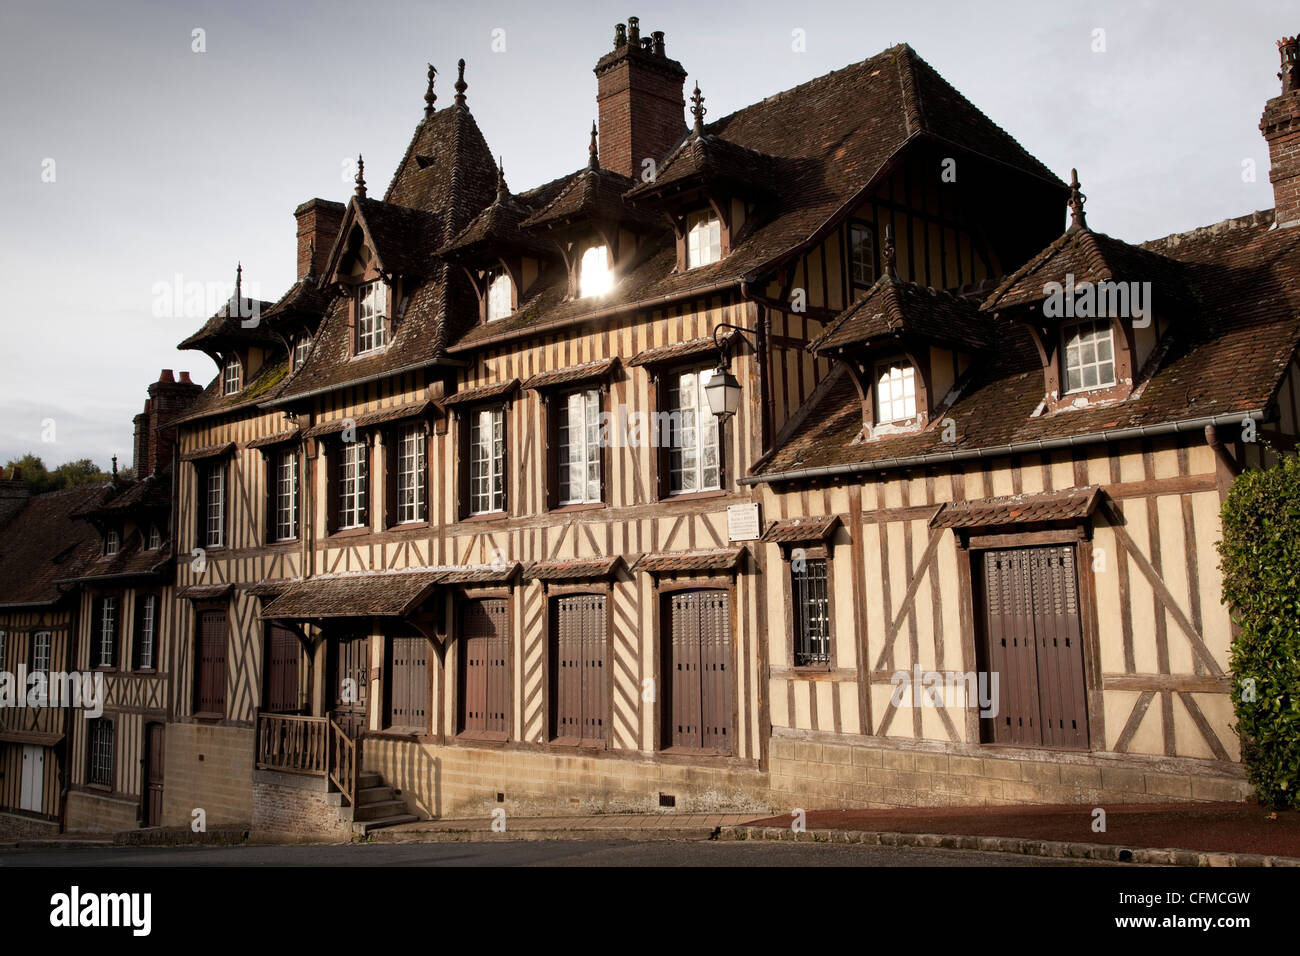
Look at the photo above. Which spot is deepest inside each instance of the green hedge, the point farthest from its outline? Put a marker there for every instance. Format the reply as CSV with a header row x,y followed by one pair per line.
x,y
1260,554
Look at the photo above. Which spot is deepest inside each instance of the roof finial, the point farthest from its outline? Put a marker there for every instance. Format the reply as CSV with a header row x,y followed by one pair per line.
x,y
114,466
239,281
461,85
887,252
1076,201
361,177
502,191
698,110
430,97
593,157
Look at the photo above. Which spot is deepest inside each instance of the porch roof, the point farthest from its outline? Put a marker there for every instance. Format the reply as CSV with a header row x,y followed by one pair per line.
x,y
1069,505
387,594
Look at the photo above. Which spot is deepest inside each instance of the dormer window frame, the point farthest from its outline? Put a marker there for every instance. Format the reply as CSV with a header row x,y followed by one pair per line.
x,y
856,279
1052,339
1092,360
232,375
692,206
898,391
371,334
301,349
494,308
863,366
112,542
697,254
587,250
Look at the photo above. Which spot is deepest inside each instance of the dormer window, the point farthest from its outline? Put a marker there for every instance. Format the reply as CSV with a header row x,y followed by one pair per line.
x,y
595,276
372,317
500,296
895,392
703,239
232,376
1089,349
301,346
112,543
862,254
154,540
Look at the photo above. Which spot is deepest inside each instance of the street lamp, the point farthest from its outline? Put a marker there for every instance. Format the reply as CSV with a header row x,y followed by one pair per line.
x,y
722,390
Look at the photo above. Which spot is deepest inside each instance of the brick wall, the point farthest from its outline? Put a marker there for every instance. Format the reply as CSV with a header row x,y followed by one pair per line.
x,y
15,826
807,773
98,813
286,808
209,767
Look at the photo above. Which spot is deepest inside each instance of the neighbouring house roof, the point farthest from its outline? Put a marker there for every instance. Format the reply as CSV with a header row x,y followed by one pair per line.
x,y
45,543
1070,505
1245,280
892,309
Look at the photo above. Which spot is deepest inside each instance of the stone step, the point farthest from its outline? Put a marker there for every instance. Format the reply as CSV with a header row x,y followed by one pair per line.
x,y
363,827
368,795
369,778
378,810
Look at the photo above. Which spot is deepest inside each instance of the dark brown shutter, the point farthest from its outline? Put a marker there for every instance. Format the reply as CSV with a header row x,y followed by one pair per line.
x,y
663,463
462,462
699,670
272,457
210,668
594,683
552,411
282,656
408,702
392,458
96,616
578,684
485,676
1060,653
715,670
333,461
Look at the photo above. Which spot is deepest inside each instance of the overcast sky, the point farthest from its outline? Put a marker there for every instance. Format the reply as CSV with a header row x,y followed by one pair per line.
x,y
169,162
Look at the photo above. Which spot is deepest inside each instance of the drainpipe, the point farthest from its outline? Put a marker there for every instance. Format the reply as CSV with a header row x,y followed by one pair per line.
x,y
999,451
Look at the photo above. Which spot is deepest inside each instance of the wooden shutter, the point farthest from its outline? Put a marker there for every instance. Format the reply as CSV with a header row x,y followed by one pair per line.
x,y
272,496
210,669
715,670
699,688
283,653
392,458
408,700
579,685
333,455
1060,653
96,616
485,675
552,410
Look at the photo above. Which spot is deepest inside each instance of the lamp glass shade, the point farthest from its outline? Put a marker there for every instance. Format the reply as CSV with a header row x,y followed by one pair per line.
x,y
723,393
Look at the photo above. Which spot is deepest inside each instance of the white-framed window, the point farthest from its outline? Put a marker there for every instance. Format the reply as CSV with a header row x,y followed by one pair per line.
x,y
301,346
500,293
101,752
154,541
214,520
579,448
595,277
107,624
232,376
286,495
372,317
112,542
145,628
895,391
862,254
487,458
703,238
694,452
411,470
352,485
1089,355
41,651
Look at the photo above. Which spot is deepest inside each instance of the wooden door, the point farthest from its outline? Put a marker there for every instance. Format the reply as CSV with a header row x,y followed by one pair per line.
x,y
350,682
283,656
408,683
578,677
485,667
153,775
32,793
1032,641
698,698
210,676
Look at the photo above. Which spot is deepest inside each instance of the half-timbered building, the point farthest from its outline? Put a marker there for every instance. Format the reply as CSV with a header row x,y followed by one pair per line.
x,y
460,529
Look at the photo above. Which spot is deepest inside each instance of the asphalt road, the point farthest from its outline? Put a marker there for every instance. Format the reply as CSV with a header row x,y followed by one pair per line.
x,y
622,853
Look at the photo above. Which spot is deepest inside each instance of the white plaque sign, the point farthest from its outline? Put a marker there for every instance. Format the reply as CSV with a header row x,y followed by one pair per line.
x,y
743,522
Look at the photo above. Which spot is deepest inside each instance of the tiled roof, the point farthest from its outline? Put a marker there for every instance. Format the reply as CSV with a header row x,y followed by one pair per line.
x,y
1070,505
482,394
1246,281
279,438
592,194
223,328
588,371
209,451
205,592
794,530
497,227
267,589
44,543
482,574
150,492
380,416
404,239
706,159
132,560
572,569
678,350
388,594
892,308
266,384
721,559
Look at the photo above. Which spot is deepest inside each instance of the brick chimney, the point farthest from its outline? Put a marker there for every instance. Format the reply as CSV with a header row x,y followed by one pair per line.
x,y
318,226
641,100
14,493
1280,125
154,435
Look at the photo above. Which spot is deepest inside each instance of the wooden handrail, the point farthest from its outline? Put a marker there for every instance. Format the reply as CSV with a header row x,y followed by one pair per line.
x,y
292,744
344,765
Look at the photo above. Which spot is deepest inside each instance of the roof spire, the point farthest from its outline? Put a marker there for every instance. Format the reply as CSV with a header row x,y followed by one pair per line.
x,y
502,191
361,177
1076,201
887,253
593,157
430,97
239,282
461,85
698,110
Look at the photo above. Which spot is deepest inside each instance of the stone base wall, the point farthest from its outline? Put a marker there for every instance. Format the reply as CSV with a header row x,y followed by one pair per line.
x,y
18,826
98,813
208,767
464,781
832,774
288,807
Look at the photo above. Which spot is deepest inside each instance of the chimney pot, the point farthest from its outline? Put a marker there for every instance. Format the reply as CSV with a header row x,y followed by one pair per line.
x,y
634,30
185,378
166,376
641,102
620,36
659,42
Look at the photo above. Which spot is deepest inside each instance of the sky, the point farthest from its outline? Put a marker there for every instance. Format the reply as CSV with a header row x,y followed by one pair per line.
x,y
137,154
